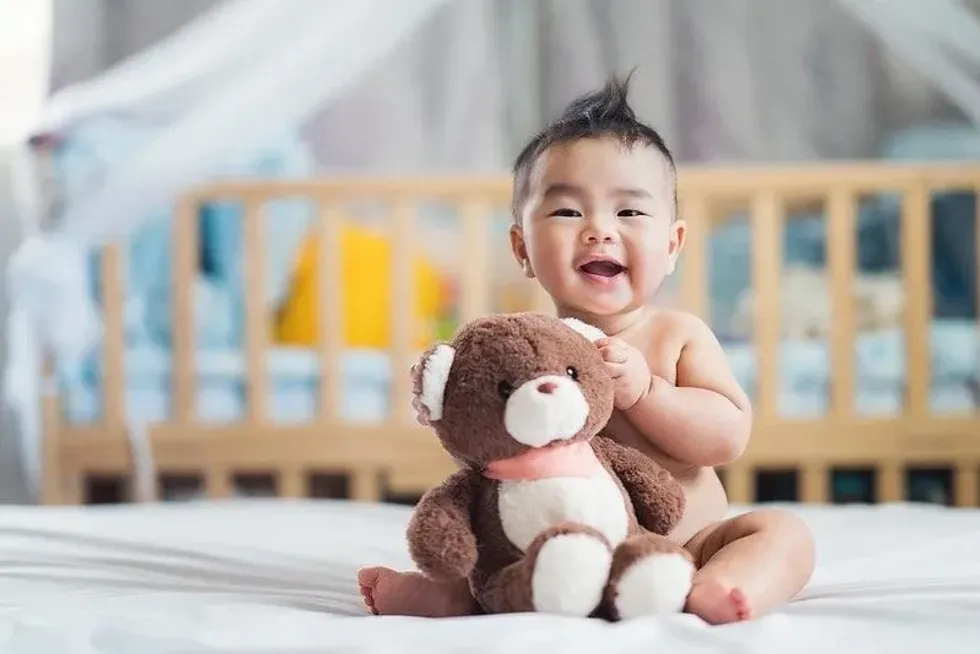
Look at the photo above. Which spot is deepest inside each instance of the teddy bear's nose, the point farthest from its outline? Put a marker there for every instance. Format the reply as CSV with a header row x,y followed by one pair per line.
x,y
547,387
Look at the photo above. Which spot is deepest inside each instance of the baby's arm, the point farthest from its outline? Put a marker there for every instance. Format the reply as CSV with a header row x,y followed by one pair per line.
x,y
440,535
705,418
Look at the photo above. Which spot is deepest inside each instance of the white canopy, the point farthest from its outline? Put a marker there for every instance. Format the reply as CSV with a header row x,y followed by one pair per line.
x,y
238,75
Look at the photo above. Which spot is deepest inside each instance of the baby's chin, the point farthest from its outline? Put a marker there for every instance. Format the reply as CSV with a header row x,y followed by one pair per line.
x,y
605,304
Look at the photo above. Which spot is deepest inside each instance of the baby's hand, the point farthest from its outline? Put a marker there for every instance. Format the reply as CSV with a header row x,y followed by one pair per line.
x,y
629,370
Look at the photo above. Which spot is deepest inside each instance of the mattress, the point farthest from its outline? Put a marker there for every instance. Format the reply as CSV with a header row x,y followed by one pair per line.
x,y
277,576
366,375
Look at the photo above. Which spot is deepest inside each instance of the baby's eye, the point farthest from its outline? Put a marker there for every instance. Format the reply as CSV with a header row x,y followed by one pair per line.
x,y
505,389
630,213
566,213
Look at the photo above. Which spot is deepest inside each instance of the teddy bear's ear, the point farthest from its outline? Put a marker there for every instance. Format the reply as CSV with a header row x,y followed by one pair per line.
x,y
585,329
435,374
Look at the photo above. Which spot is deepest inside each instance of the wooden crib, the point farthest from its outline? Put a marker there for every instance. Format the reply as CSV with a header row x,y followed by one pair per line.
x,y
398,456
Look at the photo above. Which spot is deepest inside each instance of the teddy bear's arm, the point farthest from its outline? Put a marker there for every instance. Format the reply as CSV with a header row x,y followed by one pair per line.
x,y
657,496
440,535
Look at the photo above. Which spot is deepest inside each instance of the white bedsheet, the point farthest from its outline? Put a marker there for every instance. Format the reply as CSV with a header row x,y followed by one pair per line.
x,y
272,576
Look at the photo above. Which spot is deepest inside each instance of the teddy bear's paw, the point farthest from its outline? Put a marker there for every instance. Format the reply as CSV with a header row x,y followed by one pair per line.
x,y
652,585
571,571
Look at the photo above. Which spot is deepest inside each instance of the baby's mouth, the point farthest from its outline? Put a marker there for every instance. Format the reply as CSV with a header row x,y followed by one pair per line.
x,y
602,268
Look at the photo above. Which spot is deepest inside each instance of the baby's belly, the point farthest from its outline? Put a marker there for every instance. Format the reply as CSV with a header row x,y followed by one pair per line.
x,y
529,507
706,504
706,501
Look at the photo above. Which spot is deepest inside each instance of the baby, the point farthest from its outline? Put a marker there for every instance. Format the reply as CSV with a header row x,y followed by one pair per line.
x,y
595,222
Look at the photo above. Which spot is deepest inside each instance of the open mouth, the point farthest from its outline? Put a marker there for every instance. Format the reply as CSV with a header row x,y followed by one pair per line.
x,y
602,268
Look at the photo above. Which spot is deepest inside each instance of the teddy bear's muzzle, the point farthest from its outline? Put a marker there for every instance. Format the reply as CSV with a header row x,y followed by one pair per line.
x,y
544,410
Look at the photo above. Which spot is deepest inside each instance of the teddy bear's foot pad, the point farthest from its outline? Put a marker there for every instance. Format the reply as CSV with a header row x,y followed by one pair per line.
x,y
570,574
653,585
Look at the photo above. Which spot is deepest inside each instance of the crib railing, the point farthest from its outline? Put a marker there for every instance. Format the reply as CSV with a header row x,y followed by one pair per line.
x,y
409,456
842,438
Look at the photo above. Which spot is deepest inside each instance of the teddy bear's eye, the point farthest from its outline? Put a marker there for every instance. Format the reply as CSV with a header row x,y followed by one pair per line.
x,y
572,372
505,389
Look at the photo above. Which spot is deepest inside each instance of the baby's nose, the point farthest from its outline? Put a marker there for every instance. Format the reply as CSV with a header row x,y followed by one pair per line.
x,y
547,387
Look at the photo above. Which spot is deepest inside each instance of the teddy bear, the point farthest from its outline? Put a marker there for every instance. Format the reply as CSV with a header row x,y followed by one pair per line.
x,y
546,513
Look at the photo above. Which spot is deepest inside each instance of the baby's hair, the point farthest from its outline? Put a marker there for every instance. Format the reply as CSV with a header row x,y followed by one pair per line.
x,y
602,113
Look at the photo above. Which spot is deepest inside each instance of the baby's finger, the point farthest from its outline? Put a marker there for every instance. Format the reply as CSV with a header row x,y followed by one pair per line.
x,y
613,354
616,370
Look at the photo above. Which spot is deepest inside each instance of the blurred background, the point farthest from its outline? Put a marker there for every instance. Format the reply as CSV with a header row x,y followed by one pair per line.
x,y
459,88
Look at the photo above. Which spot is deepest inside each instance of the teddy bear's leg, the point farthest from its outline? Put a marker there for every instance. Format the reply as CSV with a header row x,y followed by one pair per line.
x,y
565,572
650,575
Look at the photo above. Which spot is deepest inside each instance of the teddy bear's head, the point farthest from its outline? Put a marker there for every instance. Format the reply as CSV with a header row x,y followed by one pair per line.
x,y
508,383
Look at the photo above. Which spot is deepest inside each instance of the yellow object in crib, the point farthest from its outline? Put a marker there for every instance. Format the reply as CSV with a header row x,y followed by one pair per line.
x,y
365,294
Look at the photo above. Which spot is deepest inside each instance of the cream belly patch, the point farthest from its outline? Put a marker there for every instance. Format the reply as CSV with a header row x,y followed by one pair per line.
x,y
529,507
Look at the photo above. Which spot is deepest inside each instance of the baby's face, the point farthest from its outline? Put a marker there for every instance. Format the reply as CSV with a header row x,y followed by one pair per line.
x,y
597,229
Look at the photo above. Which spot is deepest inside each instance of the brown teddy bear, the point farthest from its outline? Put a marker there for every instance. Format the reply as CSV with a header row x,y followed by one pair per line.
x,y
545,514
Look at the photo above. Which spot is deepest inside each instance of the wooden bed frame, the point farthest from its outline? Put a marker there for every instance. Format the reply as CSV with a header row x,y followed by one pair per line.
x,y
400,456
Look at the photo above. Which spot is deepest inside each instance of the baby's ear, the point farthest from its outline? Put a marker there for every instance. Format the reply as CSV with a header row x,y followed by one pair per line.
x,y
585,329
430,376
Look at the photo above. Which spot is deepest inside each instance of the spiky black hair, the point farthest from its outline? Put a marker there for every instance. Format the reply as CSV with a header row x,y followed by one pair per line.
x,y
603,113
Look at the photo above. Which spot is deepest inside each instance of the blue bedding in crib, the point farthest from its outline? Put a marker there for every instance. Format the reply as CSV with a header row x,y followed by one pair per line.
x,y
294,376
294,379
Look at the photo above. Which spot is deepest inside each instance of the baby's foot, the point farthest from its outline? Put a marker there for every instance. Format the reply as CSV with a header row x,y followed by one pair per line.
x,y
716,603
367,579
389,592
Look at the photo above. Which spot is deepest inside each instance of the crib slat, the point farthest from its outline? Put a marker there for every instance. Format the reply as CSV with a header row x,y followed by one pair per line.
x,y
767,258
475,298
916,247
51,471
739,483
185,258
331,315
292,483
403,319
891,482
217,482
256,320
541,302
816,486
114,341
365,485
694,268
842,260
73,489
967,484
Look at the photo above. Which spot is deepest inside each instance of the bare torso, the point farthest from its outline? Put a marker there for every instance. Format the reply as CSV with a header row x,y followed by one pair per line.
x,y
662,338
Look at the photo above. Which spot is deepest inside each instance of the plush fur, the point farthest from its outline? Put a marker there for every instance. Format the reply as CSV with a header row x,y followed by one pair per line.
x,y
592,544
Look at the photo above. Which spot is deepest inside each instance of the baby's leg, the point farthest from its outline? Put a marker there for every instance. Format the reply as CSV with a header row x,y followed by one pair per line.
x,y
389,592
748,565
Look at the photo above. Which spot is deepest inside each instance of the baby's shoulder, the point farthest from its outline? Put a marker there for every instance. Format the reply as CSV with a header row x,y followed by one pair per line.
x,y
668,335
678,327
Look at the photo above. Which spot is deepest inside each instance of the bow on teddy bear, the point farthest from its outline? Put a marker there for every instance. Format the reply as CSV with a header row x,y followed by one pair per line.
x,y
545,514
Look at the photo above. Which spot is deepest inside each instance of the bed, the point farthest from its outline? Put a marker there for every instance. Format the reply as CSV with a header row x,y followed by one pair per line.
x,y
233,576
